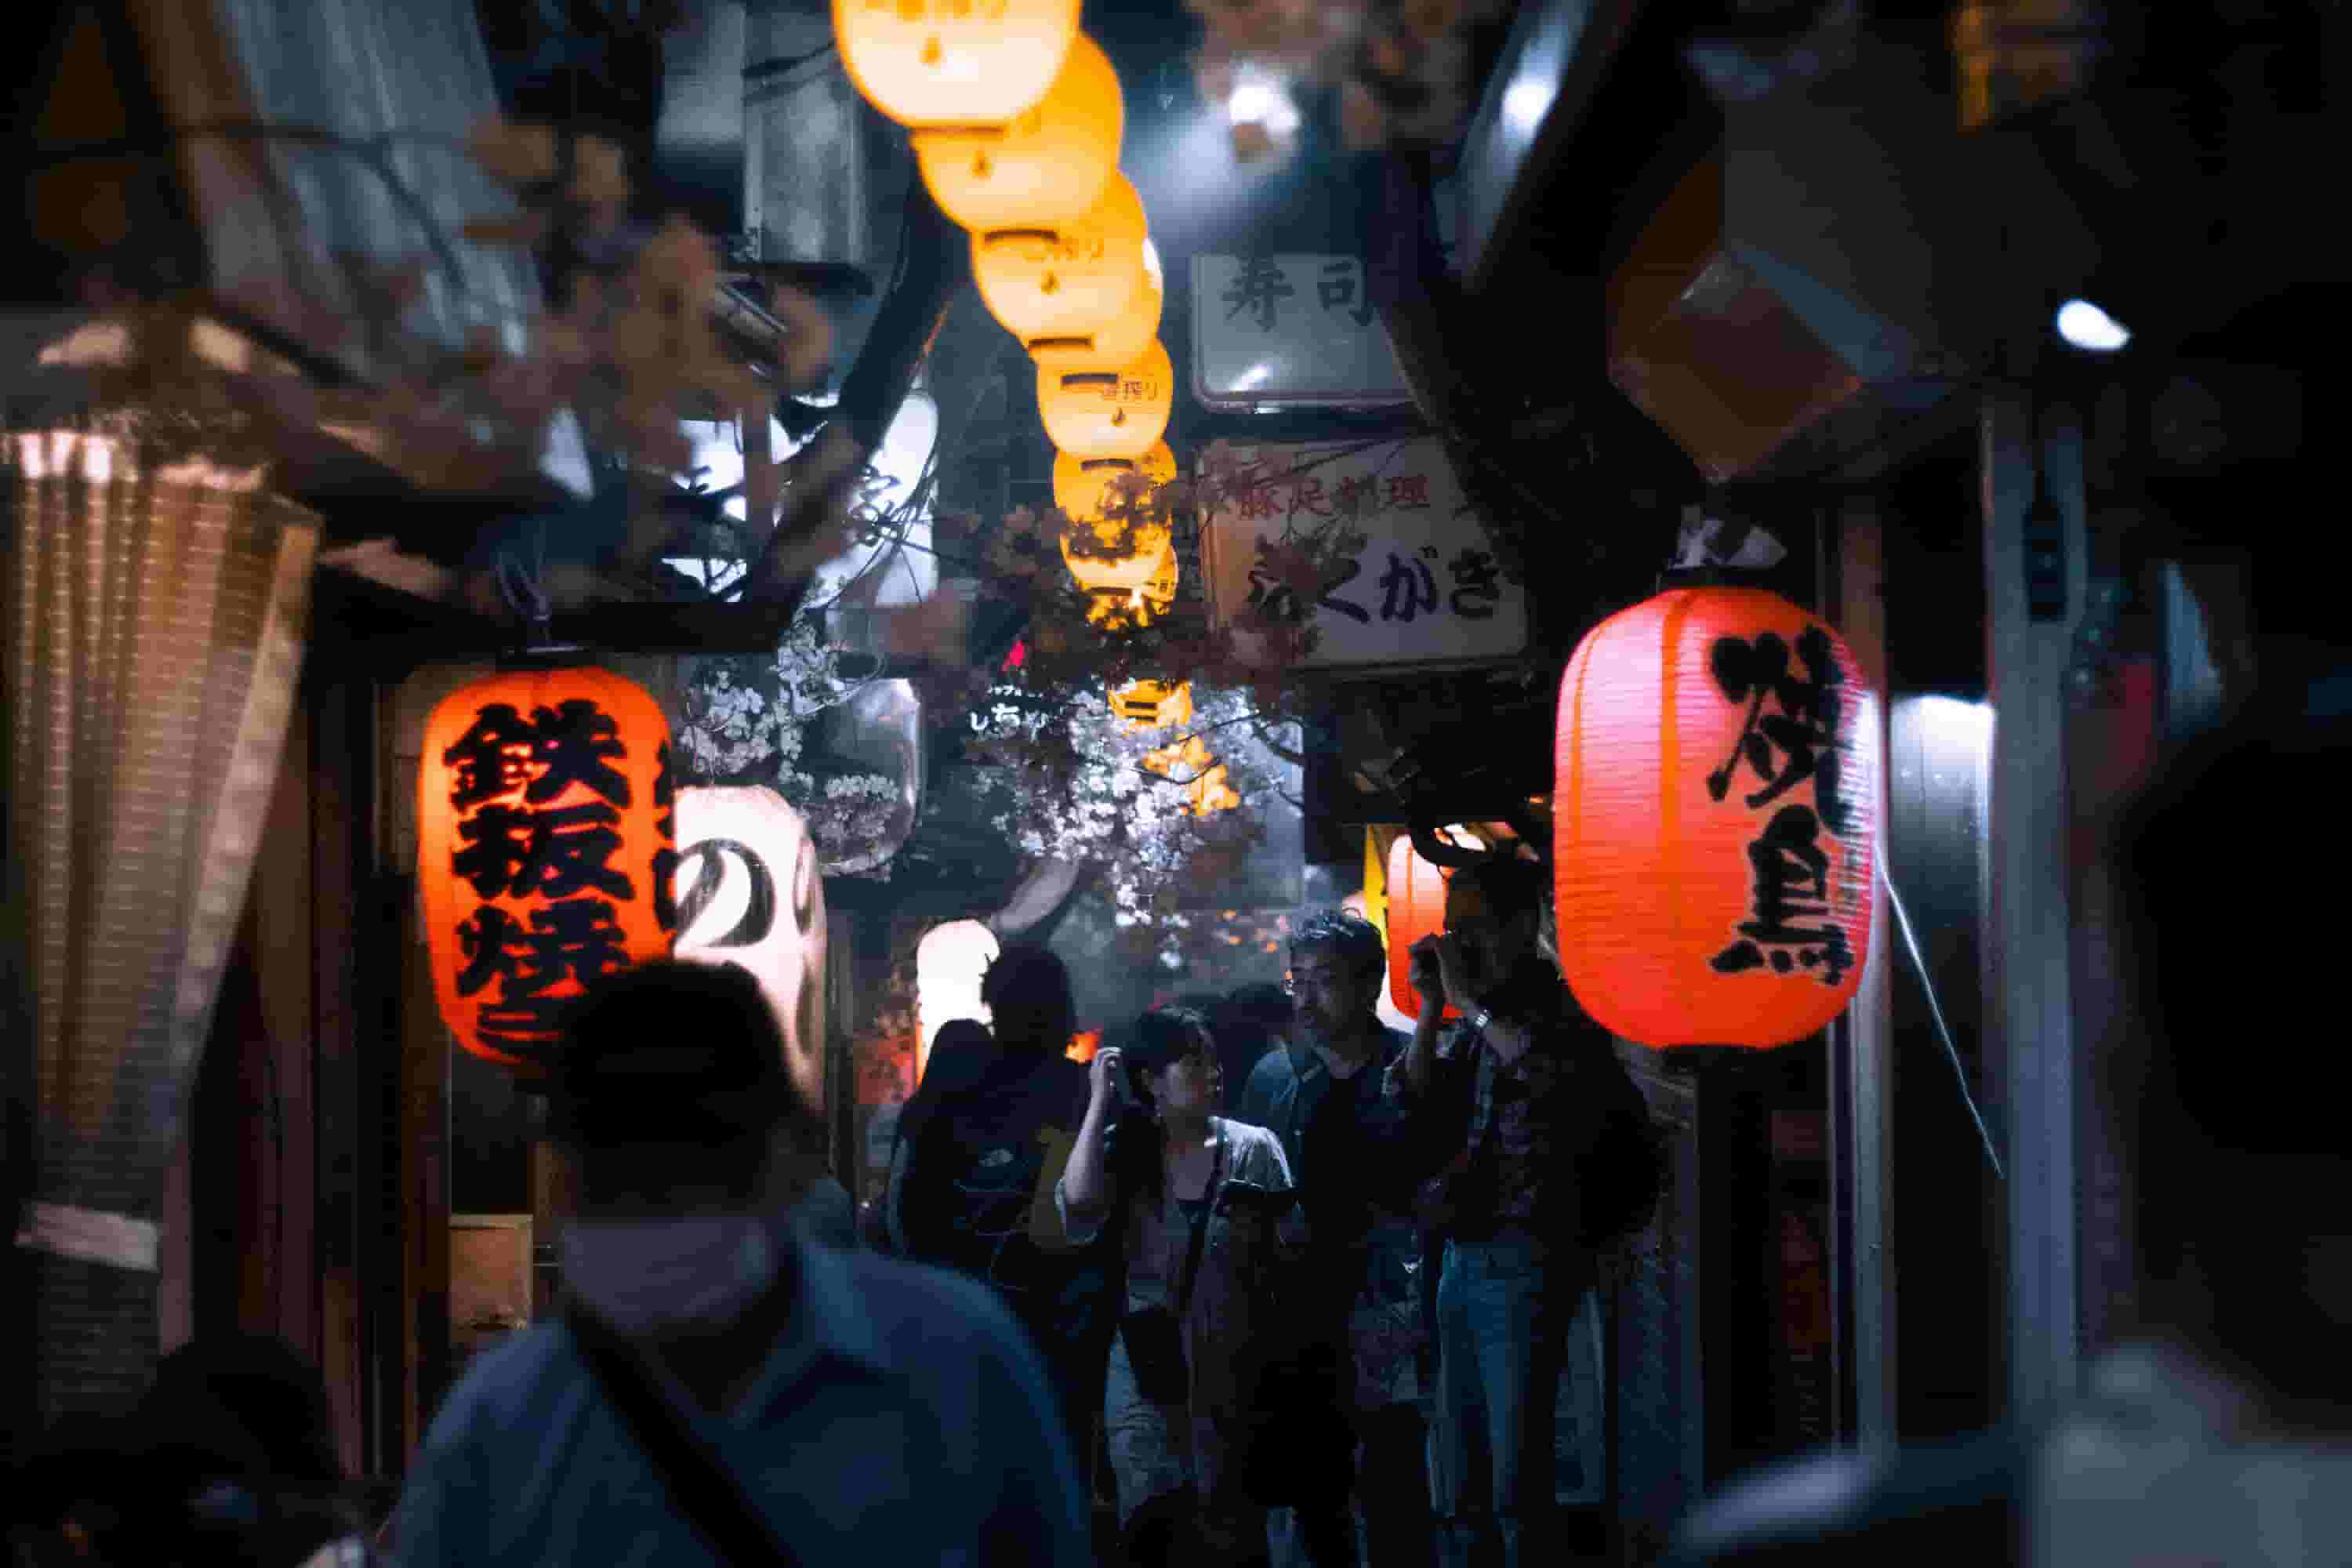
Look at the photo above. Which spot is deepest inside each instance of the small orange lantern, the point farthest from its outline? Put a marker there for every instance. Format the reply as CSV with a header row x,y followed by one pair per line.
x,y
1416,908
544,850
1211,792
950,62
1047,166
1115,344
1108,414
1154,705
1082,485
1045,282
1713,819
1191,754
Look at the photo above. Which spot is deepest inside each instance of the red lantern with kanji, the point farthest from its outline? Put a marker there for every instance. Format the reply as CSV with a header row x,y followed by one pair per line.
x,y
544,850
1714,818
1416,901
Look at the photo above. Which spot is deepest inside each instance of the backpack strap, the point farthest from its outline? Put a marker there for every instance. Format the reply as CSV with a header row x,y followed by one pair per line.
x,y
708,1494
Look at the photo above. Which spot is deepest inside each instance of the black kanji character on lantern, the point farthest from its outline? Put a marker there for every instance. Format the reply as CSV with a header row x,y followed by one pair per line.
x,y
490,939
1408,587
491,758
1800,741
571,742
1793,883
577,939
551,854
1475,578
1259,286
1338,290
665,857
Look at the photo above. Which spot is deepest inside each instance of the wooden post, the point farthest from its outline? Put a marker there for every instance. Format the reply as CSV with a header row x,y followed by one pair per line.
x,y
2028,998
1860,1048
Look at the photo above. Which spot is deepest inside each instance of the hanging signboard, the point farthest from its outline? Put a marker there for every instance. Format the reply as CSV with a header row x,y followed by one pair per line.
x,y
1425,588
1282,329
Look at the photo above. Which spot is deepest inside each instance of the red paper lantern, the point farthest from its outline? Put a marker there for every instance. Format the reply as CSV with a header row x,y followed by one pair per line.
x,y
1416,896
1714,820
544,850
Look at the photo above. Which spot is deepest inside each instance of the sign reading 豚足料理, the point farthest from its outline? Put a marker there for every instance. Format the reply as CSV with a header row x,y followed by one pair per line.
x,y
1424,588
1289,328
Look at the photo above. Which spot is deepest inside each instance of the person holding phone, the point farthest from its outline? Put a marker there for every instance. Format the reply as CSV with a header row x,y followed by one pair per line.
x,y
1195,1199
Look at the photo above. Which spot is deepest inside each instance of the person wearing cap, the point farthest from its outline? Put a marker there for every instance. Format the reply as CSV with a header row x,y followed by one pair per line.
x,y
862,1408
1193,1200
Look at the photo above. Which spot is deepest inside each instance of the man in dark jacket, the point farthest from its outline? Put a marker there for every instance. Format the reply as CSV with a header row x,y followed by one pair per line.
x,y
1531,1083
1356,1258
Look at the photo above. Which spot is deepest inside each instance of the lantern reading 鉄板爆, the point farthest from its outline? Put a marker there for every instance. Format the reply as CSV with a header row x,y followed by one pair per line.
x,y
1713,819
1154,705
1415,893
749,892
950,62
1118,342
544,850
1083,486
1108,414
1054,282
1048,165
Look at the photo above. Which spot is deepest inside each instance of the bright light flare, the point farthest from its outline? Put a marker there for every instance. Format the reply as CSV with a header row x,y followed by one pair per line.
x,y
2087,326
1258,99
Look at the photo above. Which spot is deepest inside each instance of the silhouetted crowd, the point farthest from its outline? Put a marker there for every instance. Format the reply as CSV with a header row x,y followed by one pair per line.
x,y
1271,1283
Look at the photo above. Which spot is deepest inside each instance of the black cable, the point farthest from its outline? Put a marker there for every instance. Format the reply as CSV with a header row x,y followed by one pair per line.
x,y
760,70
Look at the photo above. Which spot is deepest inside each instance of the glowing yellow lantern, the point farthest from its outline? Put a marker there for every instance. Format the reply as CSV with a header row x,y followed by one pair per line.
x,y
1211,792
1066,282
951,62
1082,486
1108,414
1151,552
1115,344
1049,164
1191,754
1154,705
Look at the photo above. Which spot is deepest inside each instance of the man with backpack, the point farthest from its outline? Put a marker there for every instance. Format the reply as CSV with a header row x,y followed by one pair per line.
x,y
1553,1149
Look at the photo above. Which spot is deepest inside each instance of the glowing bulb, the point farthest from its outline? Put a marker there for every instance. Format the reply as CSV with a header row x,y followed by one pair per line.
x,y
2087,326
1258,99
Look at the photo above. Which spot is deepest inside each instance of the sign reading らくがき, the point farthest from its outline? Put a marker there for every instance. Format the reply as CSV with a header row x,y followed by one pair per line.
x,y
1426,587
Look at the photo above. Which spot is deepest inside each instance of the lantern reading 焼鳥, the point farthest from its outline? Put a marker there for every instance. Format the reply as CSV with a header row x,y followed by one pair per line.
x,y
950,62
1048,165
1714,808
1415,891
749,892
1083,486
1108,414
1064,281
543,850
1115,344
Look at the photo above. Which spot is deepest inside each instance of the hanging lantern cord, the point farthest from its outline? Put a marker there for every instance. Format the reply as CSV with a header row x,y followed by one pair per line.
x,y
1943,1030
526,598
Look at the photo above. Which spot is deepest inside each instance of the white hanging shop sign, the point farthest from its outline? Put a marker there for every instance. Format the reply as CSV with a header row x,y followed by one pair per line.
x,y
1425,589
1285,331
